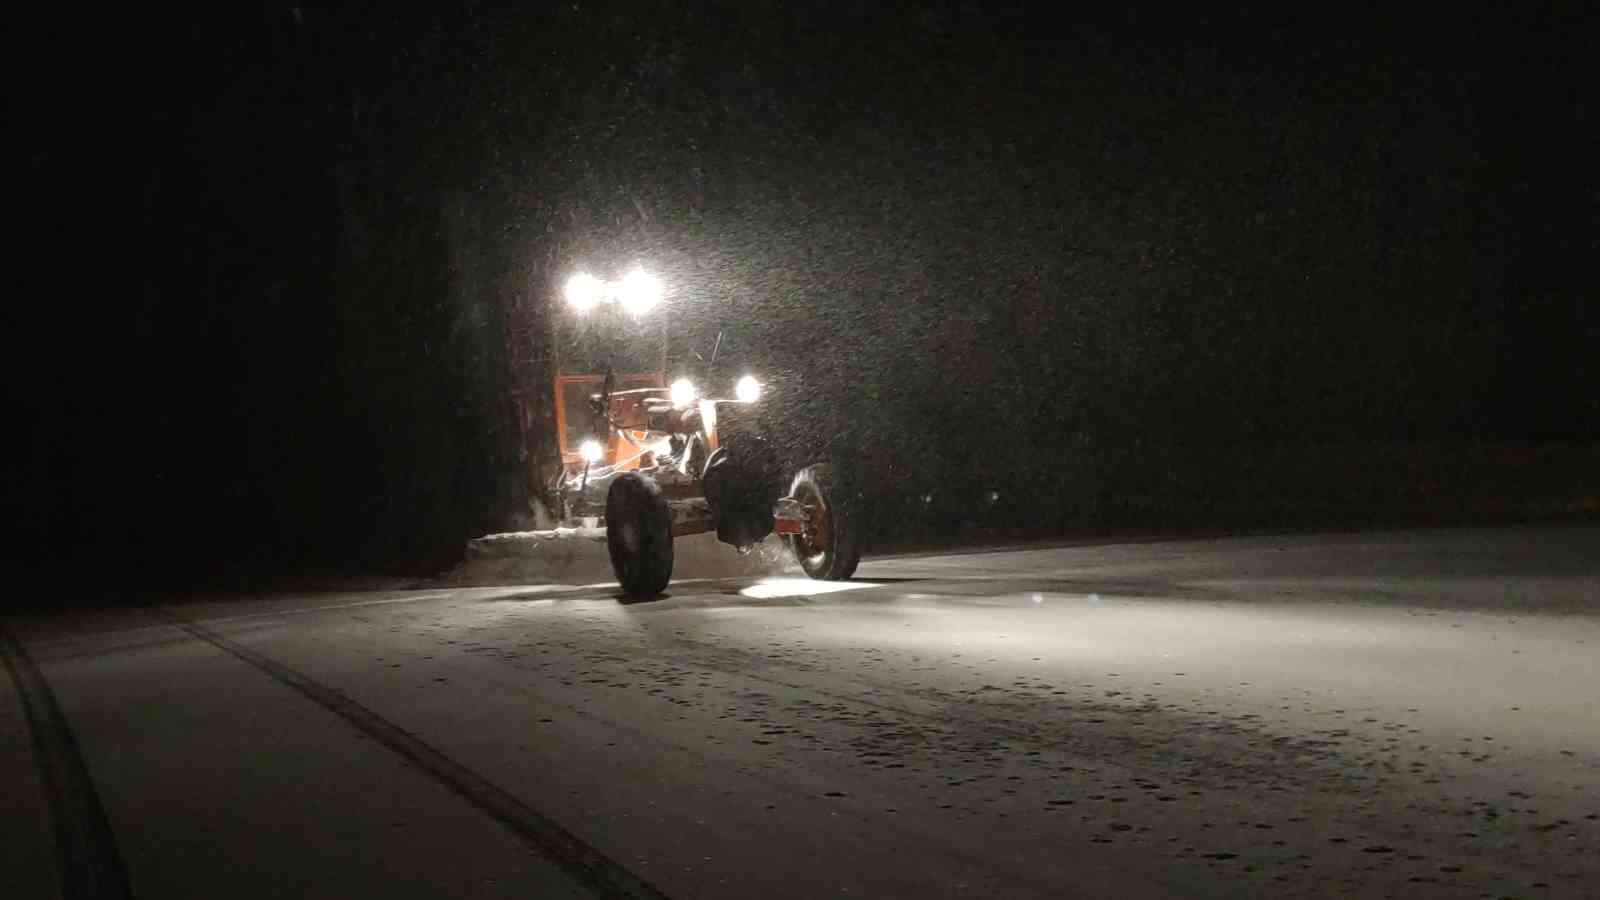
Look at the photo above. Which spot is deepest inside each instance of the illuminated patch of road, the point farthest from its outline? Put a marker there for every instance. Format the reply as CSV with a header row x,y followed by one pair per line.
x,y
772,588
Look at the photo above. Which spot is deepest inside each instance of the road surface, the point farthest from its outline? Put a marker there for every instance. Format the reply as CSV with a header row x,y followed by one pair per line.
x,y
1396,714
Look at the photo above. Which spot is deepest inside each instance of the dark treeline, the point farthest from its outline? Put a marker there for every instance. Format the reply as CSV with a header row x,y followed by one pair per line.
x,y
1139,270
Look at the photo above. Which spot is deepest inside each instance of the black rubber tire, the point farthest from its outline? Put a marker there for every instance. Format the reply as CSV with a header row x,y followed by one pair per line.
x,y
639,535
837,559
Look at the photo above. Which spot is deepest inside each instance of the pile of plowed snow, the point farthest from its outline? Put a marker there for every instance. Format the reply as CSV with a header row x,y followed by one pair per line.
x,y
579,556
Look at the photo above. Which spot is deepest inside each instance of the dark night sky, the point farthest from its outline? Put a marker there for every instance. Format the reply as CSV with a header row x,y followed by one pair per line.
x,y
271,253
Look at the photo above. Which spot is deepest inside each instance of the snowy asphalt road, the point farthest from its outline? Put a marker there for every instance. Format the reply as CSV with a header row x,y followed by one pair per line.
x,y
1405,714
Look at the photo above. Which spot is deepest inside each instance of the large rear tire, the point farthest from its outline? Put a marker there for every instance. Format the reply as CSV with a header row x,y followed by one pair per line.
x,y
639,535
830,547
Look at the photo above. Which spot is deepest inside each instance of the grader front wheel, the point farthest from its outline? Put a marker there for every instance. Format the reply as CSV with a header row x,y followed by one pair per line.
x,y
828,547
639,535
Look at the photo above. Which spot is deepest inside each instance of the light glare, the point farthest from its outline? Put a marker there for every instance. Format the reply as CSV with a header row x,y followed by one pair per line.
x,y
590,451
683,393
748,390
639,292
584,292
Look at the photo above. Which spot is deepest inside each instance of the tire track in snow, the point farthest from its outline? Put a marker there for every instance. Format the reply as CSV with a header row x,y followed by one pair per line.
x,y
583,862
86,850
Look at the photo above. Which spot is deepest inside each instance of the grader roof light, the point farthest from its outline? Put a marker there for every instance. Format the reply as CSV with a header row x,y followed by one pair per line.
x,y
585,292
638,292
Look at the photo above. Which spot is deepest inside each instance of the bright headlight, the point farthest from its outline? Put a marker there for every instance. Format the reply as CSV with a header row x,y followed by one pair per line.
x,y
639,292
748,390
584,292
683,393
591,451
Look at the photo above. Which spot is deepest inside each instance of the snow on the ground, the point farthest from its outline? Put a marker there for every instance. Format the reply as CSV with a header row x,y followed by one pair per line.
x,y
1404,714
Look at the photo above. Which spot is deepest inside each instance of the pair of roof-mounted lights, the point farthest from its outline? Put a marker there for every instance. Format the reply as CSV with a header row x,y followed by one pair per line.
x,y
637,292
